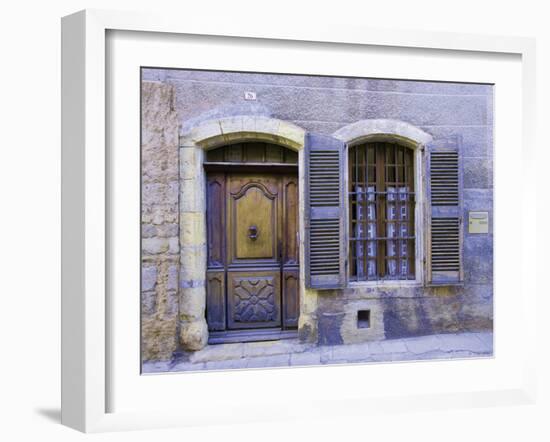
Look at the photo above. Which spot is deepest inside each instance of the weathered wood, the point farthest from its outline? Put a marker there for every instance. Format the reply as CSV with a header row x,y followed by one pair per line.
x,y
255,217
324,214
252,152
215,304
291,298
215,213
445,219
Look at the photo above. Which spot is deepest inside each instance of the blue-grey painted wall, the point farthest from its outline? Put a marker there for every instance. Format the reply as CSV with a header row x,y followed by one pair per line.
x,y
325,104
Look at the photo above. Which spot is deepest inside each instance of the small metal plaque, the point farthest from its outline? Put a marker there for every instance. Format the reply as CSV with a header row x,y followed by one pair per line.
x,y
478,222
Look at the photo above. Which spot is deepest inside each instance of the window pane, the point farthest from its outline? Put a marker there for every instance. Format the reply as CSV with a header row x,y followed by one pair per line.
x,y
381,202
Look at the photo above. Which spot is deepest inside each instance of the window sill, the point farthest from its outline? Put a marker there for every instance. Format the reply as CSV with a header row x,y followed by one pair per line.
x,y
385,284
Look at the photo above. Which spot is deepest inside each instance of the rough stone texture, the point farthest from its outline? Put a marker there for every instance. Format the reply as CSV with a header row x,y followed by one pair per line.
x,y
209,103
160,244
193,334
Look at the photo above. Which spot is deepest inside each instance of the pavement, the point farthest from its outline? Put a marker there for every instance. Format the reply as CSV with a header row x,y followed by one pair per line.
x,y
290,352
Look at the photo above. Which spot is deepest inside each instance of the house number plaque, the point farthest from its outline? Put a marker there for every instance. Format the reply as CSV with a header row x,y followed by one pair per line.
x,y
478,222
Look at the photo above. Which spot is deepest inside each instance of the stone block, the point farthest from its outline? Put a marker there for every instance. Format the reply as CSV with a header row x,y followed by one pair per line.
x,y
174,245
231,125
160,193
310,357
194,335
148,277
350,330
191,160
271,348
349,352
166,230
159,123
393,346
226,365
204,131
171,307
423,344
155,367
172,277
192,198
462,342
148,230
154,246
220,352
192,303
148,302
294,134
193,263
159,164
158,215
268,361
159,337
192,229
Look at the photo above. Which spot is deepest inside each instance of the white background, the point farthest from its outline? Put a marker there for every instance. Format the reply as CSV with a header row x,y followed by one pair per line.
x,y
29,183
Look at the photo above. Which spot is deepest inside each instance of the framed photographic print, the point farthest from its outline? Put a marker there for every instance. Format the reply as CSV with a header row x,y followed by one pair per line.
x,y
258,212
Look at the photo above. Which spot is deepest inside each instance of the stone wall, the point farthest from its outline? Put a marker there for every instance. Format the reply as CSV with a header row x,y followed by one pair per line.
x,y
326,104
159,221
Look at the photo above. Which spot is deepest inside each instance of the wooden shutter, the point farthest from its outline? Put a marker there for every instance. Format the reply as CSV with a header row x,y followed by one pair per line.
x,y
445,217
326,242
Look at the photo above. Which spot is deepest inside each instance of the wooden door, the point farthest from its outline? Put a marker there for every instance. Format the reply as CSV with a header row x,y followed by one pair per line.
x,y
253,267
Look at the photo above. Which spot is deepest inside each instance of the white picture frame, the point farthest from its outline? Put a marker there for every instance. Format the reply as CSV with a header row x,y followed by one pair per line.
x,y
87,204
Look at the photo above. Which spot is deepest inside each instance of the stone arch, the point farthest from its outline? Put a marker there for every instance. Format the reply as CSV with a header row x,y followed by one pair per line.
x,y
383,129
206,135
220,131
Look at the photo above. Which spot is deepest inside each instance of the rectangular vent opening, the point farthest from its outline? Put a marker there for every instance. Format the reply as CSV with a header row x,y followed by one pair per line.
x,y
363,319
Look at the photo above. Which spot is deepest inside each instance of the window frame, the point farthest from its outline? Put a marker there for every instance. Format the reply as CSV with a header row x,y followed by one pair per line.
x,y
419,211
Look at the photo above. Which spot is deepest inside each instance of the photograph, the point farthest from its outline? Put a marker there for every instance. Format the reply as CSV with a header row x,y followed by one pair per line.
x,y
293,220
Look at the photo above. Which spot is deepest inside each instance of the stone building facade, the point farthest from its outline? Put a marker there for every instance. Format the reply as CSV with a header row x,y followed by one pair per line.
x,y
186,113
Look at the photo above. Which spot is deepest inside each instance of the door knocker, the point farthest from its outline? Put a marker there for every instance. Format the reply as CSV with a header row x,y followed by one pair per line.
x,y
253,233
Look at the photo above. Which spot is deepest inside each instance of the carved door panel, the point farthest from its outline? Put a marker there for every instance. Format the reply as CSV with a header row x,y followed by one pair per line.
x,y
252,279
254,249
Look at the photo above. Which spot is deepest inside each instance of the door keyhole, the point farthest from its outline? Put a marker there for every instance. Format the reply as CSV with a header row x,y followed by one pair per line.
x,y
253,233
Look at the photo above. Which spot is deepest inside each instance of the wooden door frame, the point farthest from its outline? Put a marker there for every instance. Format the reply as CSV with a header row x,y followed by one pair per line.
x,y
288,174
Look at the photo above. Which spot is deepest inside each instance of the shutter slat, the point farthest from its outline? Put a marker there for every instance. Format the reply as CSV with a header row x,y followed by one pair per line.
x,y
324,212
445,214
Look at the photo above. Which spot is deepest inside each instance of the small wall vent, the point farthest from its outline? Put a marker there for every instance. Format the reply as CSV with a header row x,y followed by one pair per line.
x,y
363,319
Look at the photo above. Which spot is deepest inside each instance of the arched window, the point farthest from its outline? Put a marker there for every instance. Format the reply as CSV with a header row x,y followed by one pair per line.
x,y
381,212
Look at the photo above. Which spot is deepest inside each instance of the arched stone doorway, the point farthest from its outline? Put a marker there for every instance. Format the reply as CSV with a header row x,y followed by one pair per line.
x,y
194,145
